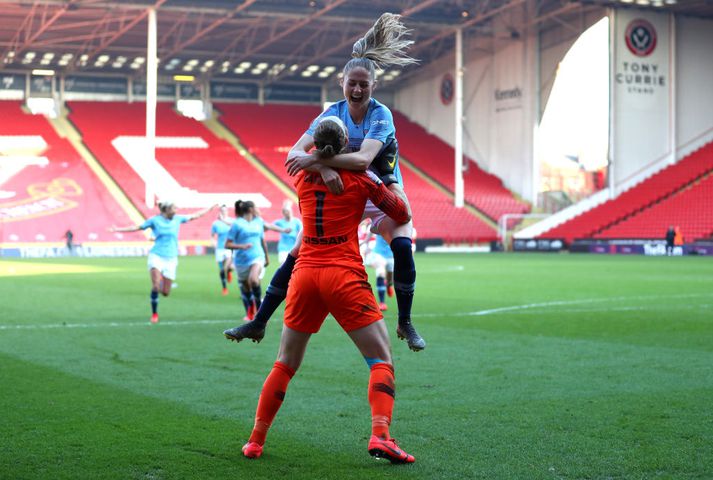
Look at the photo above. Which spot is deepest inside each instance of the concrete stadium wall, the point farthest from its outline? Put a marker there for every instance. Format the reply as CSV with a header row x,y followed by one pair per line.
x,y
694,85
498,132
500,103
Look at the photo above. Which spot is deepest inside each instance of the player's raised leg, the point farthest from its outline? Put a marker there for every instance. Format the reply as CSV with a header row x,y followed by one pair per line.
x,y
399,237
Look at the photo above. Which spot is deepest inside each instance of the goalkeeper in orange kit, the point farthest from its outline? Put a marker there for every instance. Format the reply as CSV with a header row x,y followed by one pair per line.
x,y
329,277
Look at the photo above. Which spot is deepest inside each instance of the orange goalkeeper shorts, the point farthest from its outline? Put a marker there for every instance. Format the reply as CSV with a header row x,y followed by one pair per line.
x,y
316,291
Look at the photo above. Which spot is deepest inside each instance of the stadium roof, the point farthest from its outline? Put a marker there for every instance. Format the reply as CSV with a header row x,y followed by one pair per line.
x,y
261,40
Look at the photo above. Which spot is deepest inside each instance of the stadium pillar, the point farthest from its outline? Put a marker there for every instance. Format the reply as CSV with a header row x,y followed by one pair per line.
x,y
612,97
151,93
673,72
459,120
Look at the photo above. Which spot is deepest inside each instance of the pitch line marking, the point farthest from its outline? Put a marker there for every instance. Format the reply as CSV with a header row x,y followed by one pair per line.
x,y
492,311
557,303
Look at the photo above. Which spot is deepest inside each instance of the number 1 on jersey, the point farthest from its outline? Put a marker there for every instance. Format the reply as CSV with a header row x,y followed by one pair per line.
x,y
320,212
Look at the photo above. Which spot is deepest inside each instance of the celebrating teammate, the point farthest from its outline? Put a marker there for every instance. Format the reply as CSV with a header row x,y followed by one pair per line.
x,y
372,144
163,257
223,256
247,237
329,277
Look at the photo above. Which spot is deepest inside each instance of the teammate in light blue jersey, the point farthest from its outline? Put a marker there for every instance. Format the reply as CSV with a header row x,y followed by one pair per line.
x,y
163,256
223,256
247,238
292,226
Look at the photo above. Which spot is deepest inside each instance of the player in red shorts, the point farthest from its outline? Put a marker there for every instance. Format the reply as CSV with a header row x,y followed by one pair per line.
x,y
329,277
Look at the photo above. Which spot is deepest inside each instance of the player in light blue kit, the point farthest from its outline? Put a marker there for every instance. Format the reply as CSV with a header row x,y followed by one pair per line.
x,y
247,238
223,256
292,226
163,257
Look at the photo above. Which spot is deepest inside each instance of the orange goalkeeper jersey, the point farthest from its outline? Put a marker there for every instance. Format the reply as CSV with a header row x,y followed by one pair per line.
x,y
330,221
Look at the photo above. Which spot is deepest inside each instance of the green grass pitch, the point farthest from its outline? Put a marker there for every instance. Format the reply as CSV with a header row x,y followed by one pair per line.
x,y
537,367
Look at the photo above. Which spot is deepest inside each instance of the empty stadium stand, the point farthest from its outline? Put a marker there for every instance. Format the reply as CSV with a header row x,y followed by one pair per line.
x,y
269,131
46,187
648,200
690,208
212,167
433,156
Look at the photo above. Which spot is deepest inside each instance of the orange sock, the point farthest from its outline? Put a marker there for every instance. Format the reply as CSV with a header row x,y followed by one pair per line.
x,y
381,398
271,397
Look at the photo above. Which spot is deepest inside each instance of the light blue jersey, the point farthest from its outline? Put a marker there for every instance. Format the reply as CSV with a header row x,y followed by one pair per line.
x,y
251,232
378,124
221,229
288,240
382,248
166,233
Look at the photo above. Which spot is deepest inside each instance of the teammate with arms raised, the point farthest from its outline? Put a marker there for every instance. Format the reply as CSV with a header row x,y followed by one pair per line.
x,y
372,144
163,257
329,277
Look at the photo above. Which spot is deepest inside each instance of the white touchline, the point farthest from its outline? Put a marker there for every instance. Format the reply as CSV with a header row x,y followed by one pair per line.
x,y
117,324
528,306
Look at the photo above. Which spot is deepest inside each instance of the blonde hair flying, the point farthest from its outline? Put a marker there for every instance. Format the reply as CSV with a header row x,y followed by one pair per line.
x,y
383,45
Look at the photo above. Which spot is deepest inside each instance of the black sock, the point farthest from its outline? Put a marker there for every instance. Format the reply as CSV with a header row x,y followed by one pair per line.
x,y
257,296
222,278
276,291
404,276
380,288
245,296
154,301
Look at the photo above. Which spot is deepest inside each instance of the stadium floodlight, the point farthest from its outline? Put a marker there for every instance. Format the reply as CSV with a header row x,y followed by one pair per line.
x,y
188,68
30,55
294,67
323,74
209,63
306,73
192,62
262,65
239,70
256,71
245,65
312,68
330,69
103,58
